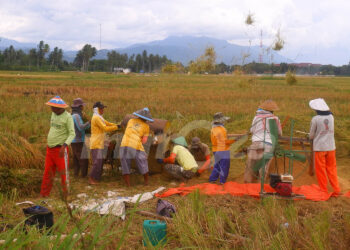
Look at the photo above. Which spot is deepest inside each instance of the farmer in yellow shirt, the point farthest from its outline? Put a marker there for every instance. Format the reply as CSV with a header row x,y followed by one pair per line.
x,y
99,126
136,134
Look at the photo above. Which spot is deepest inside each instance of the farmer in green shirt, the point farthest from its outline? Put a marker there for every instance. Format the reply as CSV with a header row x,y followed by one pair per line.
x,y
59,138
180,164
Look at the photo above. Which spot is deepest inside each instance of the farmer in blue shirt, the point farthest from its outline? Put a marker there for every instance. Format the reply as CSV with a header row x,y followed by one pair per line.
x,y
80,154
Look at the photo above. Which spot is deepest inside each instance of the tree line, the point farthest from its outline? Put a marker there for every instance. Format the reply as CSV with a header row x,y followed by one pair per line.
x,y
302,69
42,58
136,63
34,59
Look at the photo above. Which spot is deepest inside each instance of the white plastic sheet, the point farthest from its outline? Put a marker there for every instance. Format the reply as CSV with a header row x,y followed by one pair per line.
x,y
115,205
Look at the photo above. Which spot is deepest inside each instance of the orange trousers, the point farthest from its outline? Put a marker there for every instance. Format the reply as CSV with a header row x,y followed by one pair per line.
x,y
53,163
326,166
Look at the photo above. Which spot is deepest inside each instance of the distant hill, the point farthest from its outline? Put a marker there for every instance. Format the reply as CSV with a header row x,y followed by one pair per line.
x,y
181,49
5,43
187,48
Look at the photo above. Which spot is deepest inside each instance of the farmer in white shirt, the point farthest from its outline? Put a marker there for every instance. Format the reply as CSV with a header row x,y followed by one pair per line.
x,y
322,134
261,139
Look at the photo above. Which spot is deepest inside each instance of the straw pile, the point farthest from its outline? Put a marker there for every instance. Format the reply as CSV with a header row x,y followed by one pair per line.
x,y
17,152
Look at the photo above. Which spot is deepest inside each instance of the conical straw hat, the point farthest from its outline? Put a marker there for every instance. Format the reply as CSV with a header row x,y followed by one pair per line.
x,y
180,141
269,105
57,102
144,114
319,104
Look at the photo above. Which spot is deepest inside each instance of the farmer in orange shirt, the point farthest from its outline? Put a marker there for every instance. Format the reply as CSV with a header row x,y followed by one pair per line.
x,y
221,149
322,134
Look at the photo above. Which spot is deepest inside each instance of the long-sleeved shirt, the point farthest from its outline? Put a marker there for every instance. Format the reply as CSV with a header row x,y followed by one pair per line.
x,y
260,128
322,133
79,127
98,130
61,130
183,157
219,139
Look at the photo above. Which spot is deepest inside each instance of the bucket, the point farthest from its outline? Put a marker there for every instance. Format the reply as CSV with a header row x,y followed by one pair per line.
x,y
38,216
154,232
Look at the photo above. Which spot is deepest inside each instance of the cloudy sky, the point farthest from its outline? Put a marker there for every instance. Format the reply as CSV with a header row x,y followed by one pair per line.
x,y
314,31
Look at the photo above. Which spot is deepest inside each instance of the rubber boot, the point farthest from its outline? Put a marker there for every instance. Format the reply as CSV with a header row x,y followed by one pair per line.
x,y
127,179
145,177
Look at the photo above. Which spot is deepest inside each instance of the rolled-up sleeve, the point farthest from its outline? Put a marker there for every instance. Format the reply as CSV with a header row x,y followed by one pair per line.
x,y
81,126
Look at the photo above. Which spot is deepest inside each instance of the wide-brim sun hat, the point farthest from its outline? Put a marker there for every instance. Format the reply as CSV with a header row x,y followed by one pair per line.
x,y
57,102
269,105
195,142
219,117
319,104
78,102
144,114
180,141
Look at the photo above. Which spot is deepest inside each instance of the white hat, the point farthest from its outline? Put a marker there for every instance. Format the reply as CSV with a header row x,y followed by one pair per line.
x,y
319,104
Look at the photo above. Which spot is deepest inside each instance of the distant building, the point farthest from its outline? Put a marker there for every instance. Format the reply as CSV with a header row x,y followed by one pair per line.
x,y
302,65
122,70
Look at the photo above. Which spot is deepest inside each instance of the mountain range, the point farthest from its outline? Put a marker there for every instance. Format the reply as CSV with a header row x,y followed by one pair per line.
x,y
179,49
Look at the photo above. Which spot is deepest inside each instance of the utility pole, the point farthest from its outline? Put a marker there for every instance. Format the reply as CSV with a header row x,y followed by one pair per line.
x,y
100,36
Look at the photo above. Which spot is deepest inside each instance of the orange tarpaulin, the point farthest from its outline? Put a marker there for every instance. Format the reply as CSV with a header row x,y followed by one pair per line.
x,y
311,192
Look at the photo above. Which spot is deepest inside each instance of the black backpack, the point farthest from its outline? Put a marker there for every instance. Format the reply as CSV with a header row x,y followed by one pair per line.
x,y
38,216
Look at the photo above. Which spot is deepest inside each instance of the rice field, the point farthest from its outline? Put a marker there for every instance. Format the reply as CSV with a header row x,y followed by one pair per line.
x,y
202,222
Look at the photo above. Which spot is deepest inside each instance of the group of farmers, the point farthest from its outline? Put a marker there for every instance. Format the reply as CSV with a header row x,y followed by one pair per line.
x,y
184,161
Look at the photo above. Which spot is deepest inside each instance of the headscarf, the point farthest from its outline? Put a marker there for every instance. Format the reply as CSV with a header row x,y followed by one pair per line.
x,y
217,124
324,112
98,114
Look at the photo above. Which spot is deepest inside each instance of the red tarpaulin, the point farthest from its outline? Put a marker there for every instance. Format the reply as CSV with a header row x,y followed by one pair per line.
x,y
311,192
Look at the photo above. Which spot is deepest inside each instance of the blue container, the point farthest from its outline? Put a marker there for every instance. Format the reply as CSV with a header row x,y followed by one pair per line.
x,y
154,232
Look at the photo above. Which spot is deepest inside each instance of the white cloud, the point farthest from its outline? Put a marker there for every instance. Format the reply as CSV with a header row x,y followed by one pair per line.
x,y
309,24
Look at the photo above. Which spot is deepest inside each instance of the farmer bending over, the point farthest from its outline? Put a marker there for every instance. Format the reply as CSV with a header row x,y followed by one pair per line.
x,y
99,127
60,136
136,134
201,154
181,163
